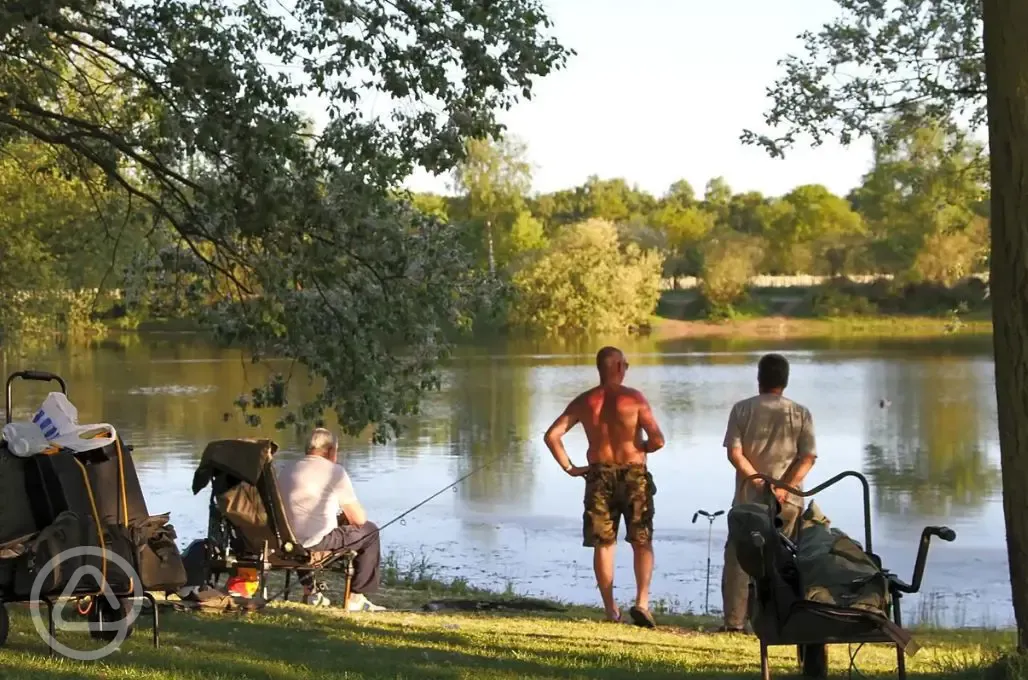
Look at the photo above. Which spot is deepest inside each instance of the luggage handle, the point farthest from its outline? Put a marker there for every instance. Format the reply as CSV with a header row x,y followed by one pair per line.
x,y
31,374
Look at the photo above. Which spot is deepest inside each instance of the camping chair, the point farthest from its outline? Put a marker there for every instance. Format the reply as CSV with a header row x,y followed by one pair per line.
x,y
780,616
248,526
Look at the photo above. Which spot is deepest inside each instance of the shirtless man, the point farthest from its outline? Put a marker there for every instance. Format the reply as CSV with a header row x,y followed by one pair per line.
x,y
616,479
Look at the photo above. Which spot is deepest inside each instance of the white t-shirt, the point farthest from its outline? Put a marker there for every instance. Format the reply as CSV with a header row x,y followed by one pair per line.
x,y
314,490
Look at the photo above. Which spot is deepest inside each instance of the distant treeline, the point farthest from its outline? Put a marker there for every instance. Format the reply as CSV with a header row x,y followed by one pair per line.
x,y
592,258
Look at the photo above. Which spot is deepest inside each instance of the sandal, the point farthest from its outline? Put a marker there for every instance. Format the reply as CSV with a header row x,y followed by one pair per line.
x,y
726,629
642,617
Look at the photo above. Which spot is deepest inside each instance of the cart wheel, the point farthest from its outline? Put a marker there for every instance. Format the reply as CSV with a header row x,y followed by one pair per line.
x,y
813,660
113,620
5,624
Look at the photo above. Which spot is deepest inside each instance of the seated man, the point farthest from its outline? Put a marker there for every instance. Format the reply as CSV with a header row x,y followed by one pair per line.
x,y
325,514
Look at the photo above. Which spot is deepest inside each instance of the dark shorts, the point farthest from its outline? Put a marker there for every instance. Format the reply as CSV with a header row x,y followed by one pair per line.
x,y
612,491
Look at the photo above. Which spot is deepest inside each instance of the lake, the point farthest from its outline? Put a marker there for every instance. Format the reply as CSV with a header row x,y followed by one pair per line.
x,y
931,455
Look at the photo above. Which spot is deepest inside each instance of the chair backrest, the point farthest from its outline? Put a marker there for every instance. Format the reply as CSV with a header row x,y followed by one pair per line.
x,y
245,493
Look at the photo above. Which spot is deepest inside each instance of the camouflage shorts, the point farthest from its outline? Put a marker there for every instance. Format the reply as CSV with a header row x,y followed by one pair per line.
x,y
612,491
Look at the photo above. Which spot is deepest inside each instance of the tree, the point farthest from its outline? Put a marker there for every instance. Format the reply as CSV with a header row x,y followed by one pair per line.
x,y
526,236
745,213
613,200
876,59
494,178
684,229
728,264
61,237
810,230
717,198
972,47
586,283
1006,62
927,183
680,193
431,204
323,264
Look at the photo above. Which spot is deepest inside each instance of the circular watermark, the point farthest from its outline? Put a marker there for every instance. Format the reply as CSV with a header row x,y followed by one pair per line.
x,y
114,604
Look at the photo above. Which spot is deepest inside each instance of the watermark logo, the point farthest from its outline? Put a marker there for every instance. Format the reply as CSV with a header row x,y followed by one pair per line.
x,y
124,620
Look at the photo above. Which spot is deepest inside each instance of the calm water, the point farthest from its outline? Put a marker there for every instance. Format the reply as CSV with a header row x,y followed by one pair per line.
x,y
931,455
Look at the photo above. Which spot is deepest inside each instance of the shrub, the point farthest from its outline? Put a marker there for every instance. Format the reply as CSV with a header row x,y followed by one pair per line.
x,y
836,302
585,282
727,268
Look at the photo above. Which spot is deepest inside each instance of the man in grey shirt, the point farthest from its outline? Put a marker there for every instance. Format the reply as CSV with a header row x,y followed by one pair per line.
x,y
771,435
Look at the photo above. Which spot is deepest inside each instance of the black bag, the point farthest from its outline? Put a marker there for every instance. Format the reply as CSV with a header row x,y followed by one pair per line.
x,y
157,556
195,559
68,531
18,520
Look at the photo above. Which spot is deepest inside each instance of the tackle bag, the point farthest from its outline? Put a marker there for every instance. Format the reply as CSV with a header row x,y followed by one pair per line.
x,y
834,569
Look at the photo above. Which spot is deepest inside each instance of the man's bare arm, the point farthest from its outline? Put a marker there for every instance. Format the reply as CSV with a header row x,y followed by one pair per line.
x,y
648,424
564,422
355,514
797,472
742,464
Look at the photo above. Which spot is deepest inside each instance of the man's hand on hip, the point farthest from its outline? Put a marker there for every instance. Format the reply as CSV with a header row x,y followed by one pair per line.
x,y
577,470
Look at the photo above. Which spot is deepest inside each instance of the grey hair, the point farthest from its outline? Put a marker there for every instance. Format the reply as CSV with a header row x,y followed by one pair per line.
x,y
322,440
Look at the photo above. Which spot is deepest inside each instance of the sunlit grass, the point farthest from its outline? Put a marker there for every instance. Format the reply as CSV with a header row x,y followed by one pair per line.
x,y
289,640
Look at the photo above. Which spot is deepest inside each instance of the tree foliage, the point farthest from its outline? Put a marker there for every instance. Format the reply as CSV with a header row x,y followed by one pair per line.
x,y
808,231
188,106
494,177
728,264
585,282
928,182
875,60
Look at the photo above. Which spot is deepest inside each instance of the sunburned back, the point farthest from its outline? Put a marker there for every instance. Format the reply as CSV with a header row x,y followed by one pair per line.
x,y
610,417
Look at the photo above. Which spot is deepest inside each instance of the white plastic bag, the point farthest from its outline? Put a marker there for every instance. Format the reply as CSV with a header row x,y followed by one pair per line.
x,y
57,415
58,420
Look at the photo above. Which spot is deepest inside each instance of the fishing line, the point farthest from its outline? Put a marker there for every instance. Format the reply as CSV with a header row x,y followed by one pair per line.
x,y
451,485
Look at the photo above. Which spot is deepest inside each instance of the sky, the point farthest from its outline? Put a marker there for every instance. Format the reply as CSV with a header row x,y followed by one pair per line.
x,y
661,90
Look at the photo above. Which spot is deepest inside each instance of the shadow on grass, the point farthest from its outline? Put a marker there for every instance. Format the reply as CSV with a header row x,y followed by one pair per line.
x,y
288,643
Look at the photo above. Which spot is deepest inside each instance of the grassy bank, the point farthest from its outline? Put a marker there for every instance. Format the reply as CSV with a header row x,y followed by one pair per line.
x,y
289,640
787,327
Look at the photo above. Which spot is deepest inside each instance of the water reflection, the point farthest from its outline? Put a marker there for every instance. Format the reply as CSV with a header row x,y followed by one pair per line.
x,y
926,450
490,423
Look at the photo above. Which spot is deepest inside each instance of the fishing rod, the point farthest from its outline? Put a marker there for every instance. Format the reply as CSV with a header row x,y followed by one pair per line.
x,y
451,485
315,571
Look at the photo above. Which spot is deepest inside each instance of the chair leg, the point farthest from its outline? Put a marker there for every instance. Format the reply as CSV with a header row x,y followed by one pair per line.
x,y
765,666
348,586
154,620
285,592
50,627
897,618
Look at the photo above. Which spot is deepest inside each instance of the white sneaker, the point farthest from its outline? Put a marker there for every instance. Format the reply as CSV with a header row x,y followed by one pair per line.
x,y
359,603
316,600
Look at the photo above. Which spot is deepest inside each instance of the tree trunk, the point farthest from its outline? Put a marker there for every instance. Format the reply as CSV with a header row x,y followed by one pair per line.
x,y
489,236
1006,67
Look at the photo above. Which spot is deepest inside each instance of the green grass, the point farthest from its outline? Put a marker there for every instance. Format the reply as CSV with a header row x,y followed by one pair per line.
x,y
288,640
